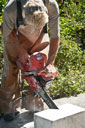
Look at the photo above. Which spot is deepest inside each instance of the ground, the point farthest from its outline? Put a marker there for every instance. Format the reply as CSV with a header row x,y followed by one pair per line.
x,y
25,119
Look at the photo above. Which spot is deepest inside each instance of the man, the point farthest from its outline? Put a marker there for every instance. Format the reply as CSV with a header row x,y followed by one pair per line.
x,y
31,38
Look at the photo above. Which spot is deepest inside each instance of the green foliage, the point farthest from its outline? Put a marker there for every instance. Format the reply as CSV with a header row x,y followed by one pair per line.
x,y
2,5
70,62
72,19
70,59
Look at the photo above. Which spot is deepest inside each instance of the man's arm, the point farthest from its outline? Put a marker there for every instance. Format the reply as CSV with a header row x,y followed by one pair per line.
x,y
54,29
54,45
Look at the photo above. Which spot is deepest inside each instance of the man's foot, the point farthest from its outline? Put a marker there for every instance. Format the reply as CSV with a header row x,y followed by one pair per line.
x,y
1,115
10,116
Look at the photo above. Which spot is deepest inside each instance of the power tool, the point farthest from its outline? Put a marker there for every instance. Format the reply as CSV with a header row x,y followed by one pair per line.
x,y
37,78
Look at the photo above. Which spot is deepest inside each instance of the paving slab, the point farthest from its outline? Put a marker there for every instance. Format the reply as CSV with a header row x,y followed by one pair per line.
x,y
78,100
68,116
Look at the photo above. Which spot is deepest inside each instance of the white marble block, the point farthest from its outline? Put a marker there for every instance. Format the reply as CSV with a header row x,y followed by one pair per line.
x,y
68,116
28,125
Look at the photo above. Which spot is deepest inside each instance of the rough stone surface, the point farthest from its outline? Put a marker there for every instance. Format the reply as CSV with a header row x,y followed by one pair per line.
x,y
68,116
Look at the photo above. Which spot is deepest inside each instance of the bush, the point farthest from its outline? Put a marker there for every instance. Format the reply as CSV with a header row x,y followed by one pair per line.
x,y
70,62
70,59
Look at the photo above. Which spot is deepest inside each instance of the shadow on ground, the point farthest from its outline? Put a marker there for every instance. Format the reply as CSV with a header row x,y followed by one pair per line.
x,y
20,122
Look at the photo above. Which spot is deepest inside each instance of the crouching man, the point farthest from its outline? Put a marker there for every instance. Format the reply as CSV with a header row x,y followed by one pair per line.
x,y
22,40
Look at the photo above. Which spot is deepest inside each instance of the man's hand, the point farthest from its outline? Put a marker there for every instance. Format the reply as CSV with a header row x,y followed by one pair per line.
x,y
48,73
50,69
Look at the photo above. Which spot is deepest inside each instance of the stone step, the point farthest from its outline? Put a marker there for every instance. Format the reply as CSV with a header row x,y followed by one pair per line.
x,y
68,116
28,125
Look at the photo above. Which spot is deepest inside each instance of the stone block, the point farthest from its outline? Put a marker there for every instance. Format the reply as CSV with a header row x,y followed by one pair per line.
x,y
68,116
28,125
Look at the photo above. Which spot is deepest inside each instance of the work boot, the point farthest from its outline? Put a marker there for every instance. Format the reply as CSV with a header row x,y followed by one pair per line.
x,y
10,116
1,114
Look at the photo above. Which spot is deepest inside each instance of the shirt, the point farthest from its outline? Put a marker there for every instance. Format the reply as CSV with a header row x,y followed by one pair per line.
x,y
10,16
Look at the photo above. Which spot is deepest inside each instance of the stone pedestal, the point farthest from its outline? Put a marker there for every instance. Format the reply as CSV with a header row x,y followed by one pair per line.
x,y
68,116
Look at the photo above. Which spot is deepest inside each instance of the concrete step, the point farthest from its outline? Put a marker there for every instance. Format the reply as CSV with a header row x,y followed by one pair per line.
x,y
68,116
